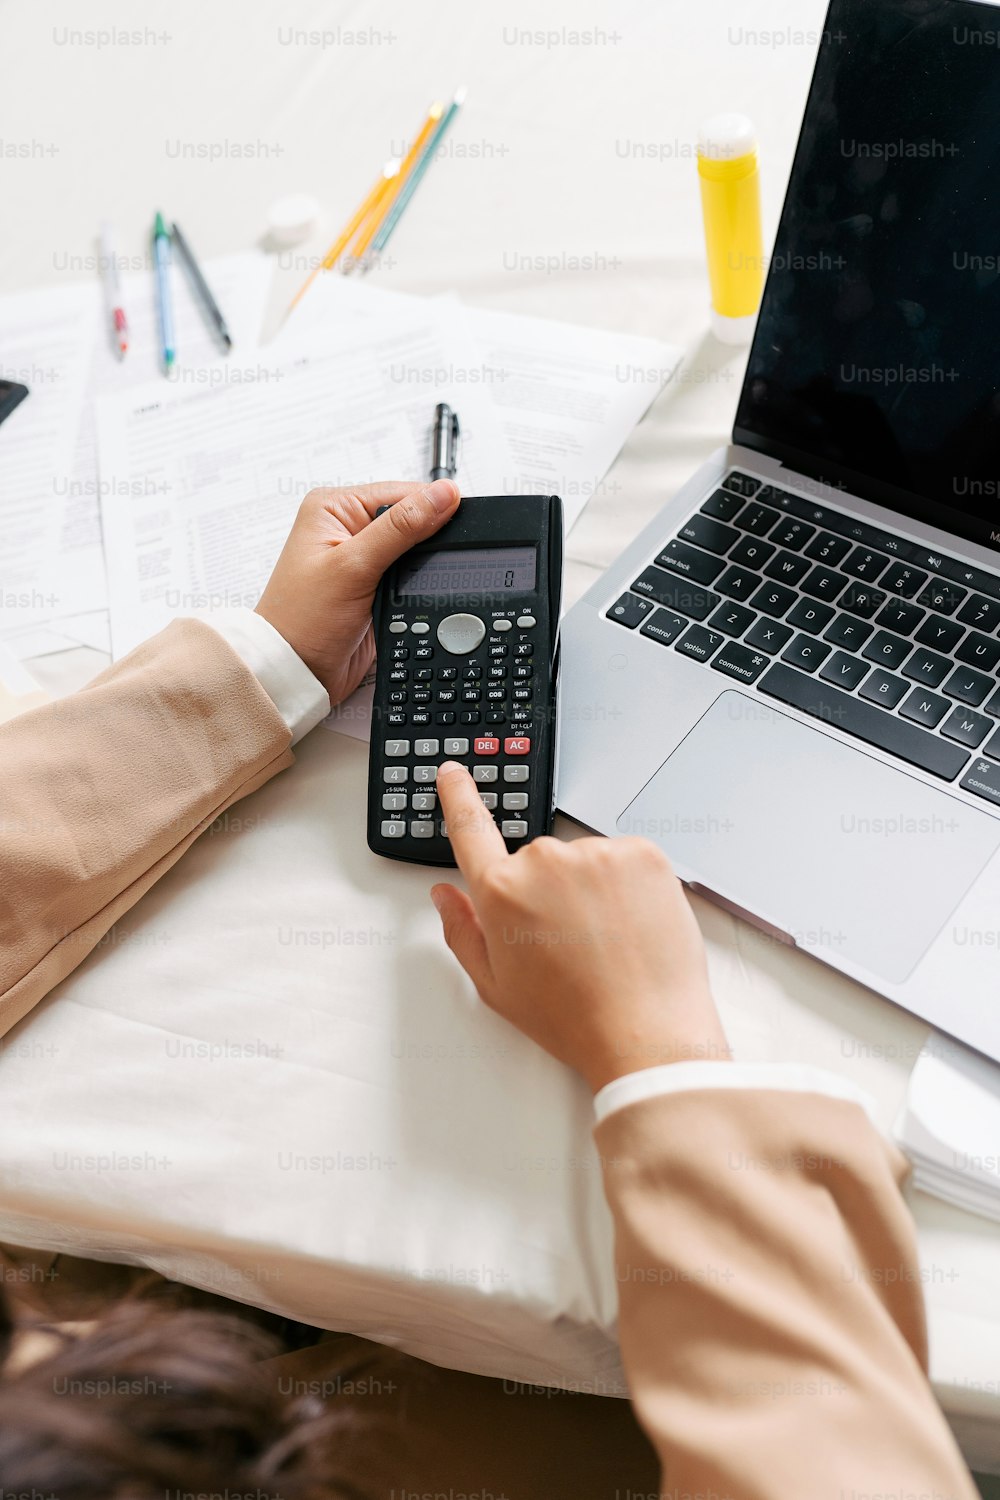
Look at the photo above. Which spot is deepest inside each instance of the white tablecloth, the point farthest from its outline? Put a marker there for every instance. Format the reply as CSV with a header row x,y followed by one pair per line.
x,y
475,1234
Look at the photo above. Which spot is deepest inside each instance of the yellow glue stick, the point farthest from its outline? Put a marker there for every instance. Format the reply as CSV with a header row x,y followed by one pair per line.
x,y
730,201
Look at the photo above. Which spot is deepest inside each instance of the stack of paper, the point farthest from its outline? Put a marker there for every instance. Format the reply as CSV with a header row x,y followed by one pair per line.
x,y
949,1126
56,343
131,499
199,486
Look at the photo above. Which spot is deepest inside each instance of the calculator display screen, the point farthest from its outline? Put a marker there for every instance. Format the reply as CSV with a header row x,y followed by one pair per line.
x,y
470,570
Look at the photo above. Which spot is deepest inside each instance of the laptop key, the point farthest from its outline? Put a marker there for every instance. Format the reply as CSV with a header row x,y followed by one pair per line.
x,y
852,716
736,661
751,552
678,594
738,583
714,536
811,615
992,746
741,484
886,650
903,580
773,599
993,706
941,595
849,633
664,627
983,613
629,610
829,549
884,689
792,534
862,601
768,635
923,708
899,616
721,506
806,653
984,780
787,568
979,651
863,563
678,557
843,670
923,666
966,727
823,583
968,686
732,619
756,518
943,635
699,642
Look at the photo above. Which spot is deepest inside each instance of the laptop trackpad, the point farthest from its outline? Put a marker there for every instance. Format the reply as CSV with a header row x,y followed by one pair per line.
x,y
833,847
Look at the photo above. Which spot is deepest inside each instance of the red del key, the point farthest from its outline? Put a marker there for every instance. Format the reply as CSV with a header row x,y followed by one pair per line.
x,y
516,746
486,746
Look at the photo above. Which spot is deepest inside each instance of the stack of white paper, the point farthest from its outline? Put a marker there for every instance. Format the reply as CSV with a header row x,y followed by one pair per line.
x,y
949,1126
127,499
53,593
199,486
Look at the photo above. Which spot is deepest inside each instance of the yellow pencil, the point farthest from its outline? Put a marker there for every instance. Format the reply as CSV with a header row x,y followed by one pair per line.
x,y
344,238
393,187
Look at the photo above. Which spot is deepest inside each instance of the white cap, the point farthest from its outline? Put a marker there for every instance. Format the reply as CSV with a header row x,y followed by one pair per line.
x,y
737,331
725,137
292,219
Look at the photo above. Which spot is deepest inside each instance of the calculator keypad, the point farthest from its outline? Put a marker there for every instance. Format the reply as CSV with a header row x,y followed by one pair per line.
x,y
476,710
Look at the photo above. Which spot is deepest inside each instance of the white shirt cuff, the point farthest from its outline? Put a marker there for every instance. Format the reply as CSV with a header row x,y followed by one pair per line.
x,y
299,697
676,1078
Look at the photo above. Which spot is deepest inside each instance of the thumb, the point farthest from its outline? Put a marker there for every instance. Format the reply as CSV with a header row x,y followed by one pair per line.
x,y
414,518
464,935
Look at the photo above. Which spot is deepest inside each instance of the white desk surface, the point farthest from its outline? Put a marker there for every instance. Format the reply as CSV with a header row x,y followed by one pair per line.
x,y
575,144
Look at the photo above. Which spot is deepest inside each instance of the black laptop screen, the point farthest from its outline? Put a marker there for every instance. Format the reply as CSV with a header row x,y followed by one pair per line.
x,y
876,362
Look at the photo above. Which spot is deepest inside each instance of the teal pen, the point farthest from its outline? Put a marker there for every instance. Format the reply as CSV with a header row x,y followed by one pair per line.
x,y
413,182
161,254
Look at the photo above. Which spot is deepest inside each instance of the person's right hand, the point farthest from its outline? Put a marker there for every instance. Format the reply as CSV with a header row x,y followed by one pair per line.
x,y
590,948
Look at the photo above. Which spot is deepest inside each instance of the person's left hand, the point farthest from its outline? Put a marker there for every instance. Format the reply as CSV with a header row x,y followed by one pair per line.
x,y
319,596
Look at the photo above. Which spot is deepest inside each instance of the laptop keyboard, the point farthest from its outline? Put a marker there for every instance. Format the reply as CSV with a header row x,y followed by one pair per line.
x,y
866,631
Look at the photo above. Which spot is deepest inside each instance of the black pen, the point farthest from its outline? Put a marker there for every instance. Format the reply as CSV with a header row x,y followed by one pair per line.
x,y
444,443
201,287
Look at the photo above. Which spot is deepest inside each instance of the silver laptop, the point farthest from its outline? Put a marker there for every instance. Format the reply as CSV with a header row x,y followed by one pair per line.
x,y
791,679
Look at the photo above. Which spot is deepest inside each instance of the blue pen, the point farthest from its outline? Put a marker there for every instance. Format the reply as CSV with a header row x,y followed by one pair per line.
x,y
161,252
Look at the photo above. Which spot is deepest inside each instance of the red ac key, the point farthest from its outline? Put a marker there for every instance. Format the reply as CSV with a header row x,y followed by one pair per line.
x,y
516,746
486,746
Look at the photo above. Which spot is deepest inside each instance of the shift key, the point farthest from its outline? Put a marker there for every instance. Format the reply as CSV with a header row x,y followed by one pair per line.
x,y
679,594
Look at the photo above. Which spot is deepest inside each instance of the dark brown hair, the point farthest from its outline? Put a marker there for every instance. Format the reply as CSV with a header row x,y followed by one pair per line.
x,y
154,1399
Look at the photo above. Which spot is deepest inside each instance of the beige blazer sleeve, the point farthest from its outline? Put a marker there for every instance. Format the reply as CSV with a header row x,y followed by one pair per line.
x,y
771,1313
102,792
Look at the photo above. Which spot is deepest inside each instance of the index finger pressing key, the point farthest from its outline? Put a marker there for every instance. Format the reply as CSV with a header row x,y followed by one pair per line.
x,y
475,837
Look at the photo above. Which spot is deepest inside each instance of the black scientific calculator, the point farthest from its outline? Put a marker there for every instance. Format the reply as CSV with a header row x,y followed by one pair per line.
x,y
467,634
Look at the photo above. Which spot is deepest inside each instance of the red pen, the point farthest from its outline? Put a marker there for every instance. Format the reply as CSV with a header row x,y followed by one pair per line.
x,y
112,292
